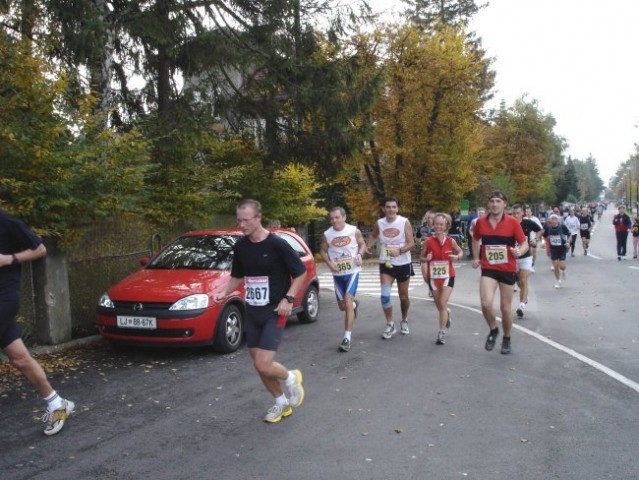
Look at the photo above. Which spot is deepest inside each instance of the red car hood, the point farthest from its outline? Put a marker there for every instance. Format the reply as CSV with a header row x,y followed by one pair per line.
x,y
148,285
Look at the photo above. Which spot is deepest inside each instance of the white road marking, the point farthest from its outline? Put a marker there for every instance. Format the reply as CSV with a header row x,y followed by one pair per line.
x,y
582,358
368,283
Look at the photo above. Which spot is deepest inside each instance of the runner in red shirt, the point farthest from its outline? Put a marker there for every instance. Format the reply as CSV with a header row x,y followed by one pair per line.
x,y
500,240
438,253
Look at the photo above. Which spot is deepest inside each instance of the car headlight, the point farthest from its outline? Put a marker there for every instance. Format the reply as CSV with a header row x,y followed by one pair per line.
x,y
192,302
105,301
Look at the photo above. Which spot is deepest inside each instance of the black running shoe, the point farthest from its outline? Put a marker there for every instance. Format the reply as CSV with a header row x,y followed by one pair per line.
x,y
345,346
520,313
505,346
491,339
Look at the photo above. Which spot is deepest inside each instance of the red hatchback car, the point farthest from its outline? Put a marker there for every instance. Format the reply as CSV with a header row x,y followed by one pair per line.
x,y
170,300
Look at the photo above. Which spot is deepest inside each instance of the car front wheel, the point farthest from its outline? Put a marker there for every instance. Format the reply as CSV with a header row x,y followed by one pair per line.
x,y
229,330
310,305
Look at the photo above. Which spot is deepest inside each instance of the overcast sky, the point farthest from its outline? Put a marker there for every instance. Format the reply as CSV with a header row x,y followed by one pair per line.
x,y
578,58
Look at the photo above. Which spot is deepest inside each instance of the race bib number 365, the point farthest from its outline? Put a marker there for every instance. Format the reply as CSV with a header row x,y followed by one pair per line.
x,y
257,291
344,265
496,254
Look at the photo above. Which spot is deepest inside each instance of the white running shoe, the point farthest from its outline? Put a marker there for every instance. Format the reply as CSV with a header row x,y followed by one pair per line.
x,y
277,412
56,419
389,331
296,390
403,327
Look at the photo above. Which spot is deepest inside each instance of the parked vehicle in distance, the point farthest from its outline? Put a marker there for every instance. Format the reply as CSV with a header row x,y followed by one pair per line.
x,y
170,300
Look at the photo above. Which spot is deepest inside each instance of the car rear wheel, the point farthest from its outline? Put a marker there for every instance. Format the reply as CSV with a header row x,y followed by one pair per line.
x,y
310,305
229,330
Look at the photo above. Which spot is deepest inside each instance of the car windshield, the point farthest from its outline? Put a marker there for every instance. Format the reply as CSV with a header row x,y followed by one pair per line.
x,y
201,252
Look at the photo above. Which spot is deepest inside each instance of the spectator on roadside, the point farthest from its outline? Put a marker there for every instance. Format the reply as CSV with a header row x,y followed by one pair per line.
x,y
427,229
622,224
635,237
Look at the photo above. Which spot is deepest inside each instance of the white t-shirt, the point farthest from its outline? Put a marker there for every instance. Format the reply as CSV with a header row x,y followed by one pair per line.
x,y
533,235
342,249
392,236
573,224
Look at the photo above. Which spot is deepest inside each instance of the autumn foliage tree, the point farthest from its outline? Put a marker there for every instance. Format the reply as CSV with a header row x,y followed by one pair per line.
x,y
427,130
521,151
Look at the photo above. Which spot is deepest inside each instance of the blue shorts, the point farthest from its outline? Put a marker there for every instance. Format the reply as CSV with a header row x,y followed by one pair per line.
x,y
264,327
345,285
9,307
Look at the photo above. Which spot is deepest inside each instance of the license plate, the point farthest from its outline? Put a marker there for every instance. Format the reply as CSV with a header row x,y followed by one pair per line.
x,y
146,323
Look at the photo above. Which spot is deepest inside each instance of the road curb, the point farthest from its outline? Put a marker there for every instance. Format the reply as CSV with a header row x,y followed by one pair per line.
x,y
44,349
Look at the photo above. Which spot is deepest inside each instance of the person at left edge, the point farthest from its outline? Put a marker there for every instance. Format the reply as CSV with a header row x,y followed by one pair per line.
x,y
342,249
18,244
273,274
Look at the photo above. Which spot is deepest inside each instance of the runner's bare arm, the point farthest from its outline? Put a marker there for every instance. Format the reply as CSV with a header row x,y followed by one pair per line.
x,y
233,284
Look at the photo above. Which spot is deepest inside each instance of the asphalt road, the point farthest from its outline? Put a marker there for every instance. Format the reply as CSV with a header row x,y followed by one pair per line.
x,y
562,406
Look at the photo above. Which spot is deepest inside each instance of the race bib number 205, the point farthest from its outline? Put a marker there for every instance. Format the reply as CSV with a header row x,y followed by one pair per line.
x,y
496,254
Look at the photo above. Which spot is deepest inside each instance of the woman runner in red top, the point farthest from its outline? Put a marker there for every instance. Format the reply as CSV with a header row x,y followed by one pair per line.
x,y
438,253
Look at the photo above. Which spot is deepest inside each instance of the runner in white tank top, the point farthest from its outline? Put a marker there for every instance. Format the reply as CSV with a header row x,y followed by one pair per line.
x,y
342,249
396,241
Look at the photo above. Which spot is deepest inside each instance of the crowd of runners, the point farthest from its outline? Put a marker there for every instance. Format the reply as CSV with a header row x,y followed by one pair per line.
x,y
503,245
502,241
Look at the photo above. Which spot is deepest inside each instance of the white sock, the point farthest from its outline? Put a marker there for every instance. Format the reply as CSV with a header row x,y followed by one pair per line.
x,y
522,305
291,378
54,401
281,400
347,335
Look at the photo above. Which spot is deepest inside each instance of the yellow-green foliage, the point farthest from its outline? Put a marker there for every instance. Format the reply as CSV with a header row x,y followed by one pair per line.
x,y
427,132
294,202
61,168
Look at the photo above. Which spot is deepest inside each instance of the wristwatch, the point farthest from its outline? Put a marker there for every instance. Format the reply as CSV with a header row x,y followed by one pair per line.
x,y
290,298
15,259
